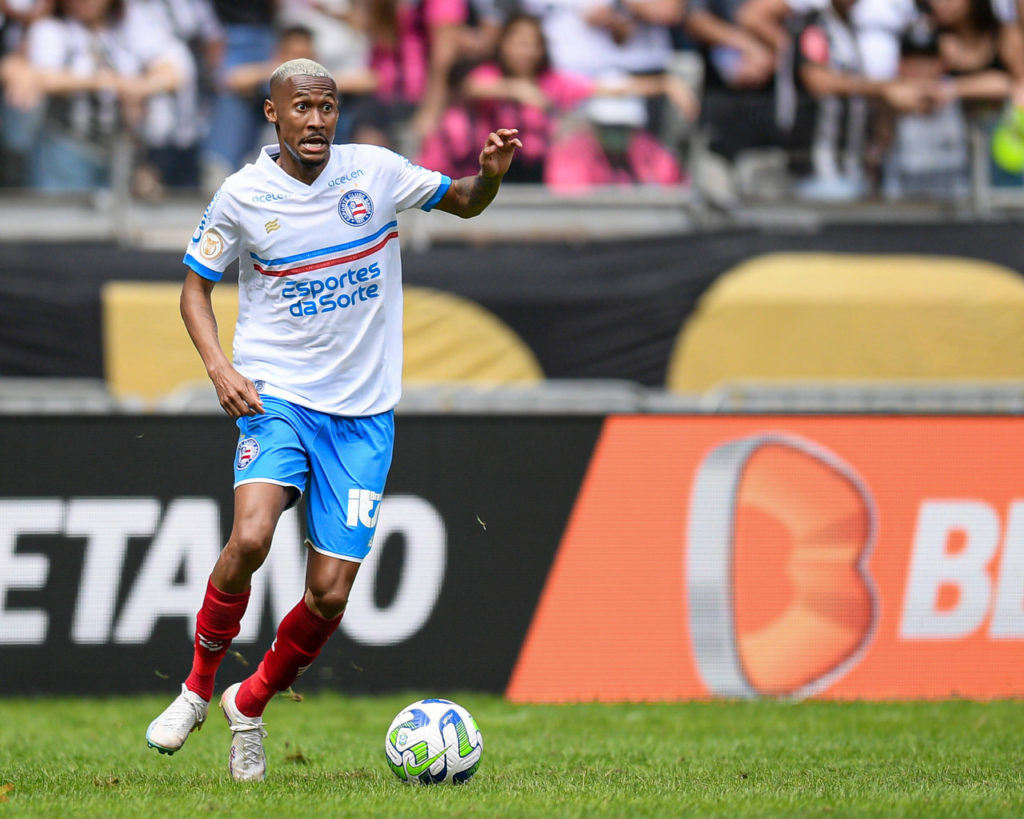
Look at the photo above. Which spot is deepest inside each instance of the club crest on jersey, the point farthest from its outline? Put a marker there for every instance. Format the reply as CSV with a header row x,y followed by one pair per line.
x,y
355,208
248,449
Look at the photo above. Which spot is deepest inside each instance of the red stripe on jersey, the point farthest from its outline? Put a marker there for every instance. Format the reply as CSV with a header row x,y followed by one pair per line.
x,y
329,262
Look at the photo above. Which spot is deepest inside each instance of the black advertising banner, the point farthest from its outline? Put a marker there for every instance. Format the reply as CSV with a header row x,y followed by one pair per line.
x,y
601,310
109,527
50,323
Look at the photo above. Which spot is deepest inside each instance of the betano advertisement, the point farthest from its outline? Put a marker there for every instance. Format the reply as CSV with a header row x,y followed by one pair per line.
x,y
556,559
109,527
839,557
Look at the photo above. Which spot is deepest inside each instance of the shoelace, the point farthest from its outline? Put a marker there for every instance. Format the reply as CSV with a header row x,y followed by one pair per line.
x,y
185,712
251,734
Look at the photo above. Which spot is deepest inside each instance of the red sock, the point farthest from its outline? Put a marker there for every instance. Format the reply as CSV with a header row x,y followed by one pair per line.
x,y
300,637
217,624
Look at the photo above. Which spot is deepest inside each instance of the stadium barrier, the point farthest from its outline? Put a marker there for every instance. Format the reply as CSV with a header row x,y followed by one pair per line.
x,y
688,312
557,558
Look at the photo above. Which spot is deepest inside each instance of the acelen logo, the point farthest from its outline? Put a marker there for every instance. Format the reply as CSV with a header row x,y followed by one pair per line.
x,y
834,557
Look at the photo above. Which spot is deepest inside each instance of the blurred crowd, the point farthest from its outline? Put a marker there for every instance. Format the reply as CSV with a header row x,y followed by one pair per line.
x,y
862,97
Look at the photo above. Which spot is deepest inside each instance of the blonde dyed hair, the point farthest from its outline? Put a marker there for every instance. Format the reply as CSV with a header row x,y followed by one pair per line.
x,y
299,68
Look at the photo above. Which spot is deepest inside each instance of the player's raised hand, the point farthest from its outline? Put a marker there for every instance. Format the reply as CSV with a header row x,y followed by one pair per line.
x,y
497,153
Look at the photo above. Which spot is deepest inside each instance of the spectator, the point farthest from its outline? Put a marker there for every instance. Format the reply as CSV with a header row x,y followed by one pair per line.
x,y
740,109
479,39
98,68
831,67
413,47
341,46
195,23
590,38
968,48
1010,14
249,37
16,16
521,83
878,25
18,123
962,70
248,83
174,126
607,42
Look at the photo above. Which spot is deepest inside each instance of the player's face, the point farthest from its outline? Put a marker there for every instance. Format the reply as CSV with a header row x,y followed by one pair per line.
x,y
304,111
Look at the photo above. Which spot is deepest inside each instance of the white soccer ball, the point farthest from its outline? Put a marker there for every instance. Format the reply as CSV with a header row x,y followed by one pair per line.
x,y
433,741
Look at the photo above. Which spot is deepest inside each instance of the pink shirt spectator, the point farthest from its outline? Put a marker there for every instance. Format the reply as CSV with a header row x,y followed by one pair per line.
x,y
536,125
401,69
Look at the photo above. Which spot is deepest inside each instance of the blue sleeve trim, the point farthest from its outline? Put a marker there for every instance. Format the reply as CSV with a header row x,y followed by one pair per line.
x,y
202,269
442,189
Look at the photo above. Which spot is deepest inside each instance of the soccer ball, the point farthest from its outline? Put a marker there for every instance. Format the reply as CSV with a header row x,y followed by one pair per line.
x,y
433,741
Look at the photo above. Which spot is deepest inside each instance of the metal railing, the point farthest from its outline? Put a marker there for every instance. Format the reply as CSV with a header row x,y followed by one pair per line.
x,y
54,396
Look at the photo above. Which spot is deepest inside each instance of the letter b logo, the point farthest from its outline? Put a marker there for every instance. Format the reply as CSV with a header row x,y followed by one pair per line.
x,y
779,532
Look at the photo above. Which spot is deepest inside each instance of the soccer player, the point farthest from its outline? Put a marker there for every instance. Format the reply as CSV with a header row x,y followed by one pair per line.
x,y
316,374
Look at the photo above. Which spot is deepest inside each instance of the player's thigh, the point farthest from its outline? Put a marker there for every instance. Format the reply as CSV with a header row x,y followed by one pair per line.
x,y
348,470
258,508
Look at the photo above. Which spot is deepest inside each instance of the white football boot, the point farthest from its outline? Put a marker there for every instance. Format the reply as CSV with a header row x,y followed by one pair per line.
x,y
247,761
168,732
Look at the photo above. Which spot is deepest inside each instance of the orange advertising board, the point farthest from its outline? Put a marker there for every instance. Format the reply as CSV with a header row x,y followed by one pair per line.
x,y
837,557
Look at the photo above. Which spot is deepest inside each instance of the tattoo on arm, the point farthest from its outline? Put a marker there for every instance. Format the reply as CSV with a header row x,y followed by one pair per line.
x,y
477,192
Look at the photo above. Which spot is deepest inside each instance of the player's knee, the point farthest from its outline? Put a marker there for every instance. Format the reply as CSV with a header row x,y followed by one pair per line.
x,y
251,546
329,603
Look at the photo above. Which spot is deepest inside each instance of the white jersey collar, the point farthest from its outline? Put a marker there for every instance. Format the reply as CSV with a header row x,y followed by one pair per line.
x,y
267,162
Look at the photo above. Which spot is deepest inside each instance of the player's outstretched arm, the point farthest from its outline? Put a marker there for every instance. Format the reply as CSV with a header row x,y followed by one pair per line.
x,y
236,393
469,195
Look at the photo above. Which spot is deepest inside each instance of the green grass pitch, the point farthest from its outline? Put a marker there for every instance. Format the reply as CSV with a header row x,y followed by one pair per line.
x,y
88,757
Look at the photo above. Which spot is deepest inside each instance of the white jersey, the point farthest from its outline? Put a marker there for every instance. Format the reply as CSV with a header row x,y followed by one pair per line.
x,y
319,274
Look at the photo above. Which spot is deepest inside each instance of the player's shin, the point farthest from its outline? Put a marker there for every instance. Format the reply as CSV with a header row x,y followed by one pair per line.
x,y
300,637
217,624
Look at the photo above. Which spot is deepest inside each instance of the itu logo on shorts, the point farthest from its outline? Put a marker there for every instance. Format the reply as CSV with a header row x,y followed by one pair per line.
x,y
355,208
248,449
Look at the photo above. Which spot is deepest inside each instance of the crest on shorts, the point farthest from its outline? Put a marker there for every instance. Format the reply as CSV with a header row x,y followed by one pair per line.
x,y
248,449
355,208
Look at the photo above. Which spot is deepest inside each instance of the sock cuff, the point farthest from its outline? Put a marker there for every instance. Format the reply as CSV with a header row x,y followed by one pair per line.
x,y
308,629
227,598
221,614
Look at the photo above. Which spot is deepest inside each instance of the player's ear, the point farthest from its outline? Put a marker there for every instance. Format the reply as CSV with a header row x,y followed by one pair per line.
x,y
269,111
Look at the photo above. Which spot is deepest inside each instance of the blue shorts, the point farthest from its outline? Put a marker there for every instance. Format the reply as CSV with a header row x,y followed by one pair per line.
x,y
343,461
